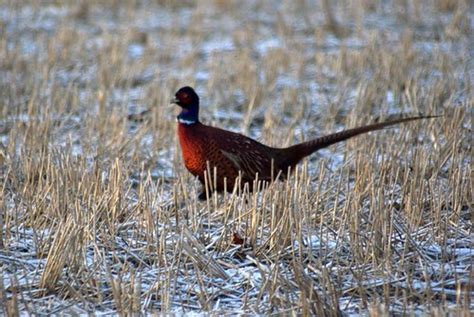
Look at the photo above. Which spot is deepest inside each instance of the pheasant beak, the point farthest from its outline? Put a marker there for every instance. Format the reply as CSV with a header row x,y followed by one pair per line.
x,y
174,101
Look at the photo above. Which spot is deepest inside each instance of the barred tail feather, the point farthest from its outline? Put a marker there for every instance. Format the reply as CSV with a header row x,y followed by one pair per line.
x,y
299,151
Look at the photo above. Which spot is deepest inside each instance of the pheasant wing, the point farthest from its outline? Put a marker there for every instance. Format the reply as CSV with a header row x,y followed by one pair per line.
x,y
248,156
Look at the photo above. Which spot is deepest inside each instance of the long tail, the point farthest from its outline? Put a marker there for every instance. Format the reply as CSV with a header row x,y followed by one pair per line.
x,y
297,152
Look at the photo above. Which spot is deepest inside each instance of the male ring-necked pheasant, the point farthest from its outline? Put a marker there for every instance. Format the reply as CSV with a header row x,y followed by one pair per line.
x,y
205,147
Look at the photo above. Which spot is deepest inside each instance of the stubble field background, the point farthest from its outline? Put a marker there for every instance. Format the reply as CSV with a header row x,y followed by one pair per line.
x,y
99,215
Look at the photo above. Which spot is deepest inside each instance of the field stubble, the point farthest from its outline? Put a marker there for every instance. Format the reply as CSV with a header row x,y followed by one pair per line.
x,y
98,213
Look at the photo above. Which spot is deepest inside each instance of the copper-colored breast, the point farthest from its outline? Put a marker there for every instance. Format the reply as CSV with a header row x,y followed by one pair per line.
x,y
192,148
199,148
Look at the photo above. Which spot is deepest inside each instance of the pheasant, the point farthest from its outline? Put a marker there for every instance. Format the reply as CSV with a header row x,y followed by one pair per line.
x,y
227,154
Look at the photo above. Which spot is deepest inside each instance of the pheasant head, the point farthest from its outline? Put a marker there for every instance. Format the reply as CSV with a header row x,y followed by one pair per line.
x,y
188,100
